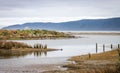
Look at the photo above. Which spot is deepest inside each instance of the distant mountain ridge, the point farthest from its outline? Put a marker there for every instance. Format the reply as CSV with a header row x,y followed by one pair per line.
x,y
85,24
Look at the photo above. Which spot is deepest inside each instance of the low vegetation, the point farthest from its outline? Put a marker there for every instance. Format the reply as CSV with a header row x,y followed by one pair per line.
x,y
31,34
7,45
106,62
10,49
10,45
40,46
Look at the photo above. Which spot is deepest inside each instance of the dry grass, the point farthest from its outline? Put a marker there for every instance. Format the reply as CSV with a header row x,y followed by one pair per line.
x,y
110,55
98,63
18,46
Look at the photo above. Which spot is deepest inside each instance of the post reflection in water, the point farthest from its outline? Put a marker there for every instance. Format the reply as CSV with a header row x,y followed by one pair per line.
x,y
40,53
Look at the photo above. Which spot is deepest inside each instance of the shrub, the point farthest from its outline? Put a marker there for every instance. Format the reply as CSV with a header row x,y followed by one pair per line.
x,y
10,45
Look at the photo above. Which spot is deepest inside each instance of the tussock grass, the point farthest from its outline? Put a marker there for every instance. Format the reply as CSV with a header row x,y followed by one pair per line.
x,y
109,55
107,62
9,45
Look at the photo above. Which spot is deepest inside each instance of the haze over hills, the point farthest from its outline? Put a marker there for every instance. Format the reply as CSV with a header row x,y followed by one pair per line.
x,y
85,24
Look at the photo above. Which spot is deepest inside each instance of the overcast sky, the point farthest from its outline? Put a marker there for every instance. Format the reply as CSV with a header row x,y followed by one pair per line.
x,y
22,11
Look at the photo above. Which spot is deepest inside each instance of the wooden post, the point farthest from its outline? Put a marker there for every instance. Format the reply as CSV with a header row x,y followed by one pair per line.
x,y
89,55
118,45
96,47
111,46
119,53
118,67
103,47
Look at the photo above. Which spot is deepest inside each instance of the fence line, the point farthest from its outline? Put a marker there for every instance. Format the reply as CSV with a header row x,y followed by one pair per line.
x,y
104,47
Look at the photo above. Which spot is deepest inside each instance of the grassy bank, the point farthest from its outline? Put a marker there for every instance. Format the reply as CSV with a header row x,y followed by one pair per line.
x,y
9,45
10,49
31,34
107,62
18,46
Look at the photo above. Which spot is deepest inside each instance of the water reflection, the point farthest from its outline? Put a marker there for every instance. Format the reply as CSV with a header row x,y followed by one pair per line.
x,y
38,53
16,54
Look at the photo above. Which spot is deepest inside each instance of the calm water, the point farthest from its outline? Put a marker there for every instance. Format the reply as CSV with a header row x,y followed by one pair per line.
x,y
71,47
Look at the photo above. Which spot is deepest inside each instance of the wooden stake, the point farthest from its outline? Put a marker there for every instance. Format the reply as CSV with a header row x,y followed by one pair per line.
x,y
103,47
96,47
111,46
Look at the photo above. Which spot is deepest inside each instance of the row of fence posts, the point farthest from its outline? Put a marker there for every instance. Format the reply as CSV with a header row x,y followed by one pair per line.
x,y
111,46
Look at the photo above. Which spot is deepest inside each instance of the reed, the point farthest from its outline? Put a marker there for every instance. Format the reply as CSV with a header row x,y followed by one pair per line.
x,y
40,46
10,45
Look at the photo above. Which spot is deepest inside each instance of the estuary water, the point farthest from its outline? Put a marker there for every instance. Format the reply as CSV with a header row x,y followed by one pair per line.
x,y
71,47
76,46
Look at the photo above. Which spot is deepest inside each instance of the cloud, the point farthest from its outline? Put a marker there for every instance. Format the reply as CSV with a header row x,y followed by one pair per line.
x,y
59,8
21,9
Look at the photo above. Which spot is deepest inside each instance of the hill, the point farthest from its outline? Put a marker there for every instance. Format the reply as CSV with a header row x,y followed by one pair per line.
x,y
85,24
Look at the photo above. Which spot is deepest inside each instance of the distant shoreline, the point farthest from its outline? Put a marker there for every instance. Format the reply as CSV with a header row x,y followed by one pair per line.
x,y
92,32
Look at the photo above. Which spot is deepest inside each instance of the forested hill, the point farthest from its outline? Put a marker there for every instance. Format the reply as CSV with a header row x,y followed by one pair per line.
x,y
85,24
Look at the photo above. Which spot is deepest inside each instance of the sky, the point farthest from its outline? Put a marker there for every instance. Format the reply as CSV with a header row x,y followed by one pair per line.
x,y
22,11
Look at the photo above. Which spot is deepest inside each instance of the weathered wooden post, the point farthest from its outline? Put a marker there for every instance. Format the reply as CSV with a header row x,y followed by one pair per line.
x,y
111,46
96,47
89,55
118,45
103,47
118,64
119,53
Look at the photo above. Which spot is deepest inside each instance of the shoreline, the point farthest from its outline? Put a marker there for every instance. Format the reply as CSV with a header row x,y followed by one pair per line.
x,y
56,69
77,64
32,66
30,50
93,33
34,49
101,62
35,68
14,53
